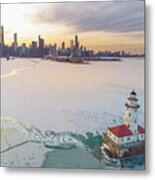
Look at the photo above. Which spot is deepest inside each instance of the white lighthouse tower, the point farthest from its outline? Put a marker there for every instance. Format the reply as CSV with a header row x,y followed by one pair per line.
x,y
130,119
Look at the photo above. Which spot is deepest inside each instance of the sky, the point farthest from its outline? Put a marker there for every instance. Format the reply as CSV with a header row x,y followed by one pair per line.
x,y
113,25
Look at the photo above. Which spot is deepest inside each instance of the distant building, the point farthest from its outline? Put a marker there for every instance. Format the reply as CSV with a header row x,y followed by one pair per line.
x,y
33,52
71,46
15,38
41,47
23,50
76,42
55,50
126,139
50,49
63,45
15,44
1,41
1,35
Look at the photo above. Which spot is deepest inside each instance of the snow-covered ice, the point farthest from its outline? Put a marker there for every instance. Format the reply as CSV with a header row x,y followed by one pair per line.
x,y
68,97
38,95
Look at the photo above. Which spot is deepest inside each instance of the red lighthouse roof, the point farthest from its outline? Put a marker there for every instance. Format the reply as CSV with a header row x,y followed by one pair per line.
x,y
141,130
121,131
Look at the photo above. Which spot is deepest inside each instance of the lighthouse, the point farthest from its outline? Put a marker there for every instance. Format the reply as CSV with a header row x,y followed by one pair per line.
x,y
127,139
130,118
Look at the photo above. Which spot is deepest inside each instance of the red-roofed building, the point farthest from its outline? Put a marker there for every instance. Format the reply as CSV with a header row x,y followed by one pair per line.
x,y
141,130
126,139
141,133
121,131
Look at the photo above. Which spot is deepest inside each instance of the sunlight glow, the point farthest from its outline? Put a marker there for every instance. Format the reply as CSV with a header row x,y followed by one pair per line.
x,y
17,18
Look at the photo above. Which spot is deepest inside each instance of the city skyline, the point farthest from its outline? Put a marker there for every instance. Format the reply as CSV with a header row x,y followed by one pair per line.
x,y
39,48
97,30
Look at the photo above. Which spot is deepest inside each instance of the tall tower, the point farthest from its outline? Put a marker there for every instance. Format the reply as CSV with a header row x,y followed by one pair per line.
x,y
63,45
1,41
15,44
71,45
41,46
76,42
15,38
50,50
130,118
39,39
2,35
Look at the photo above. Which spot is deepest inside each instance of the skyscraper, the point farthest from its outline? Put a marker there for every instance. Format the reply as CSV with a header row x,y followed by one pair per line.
x,y
41,46
71,44
1,41
76,42
50,50
15,44
34,49
15,37
63,45
55,49
23,50
2,35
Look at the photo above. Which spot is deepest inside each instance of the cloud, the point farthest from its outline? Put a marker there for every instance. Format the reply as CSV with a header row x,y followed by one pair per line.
x,y
94,16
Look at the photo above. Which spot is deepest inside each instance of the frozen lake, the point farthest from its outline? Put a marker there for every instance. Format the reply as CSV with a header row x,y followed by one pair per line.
x,y
73,102
69,97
